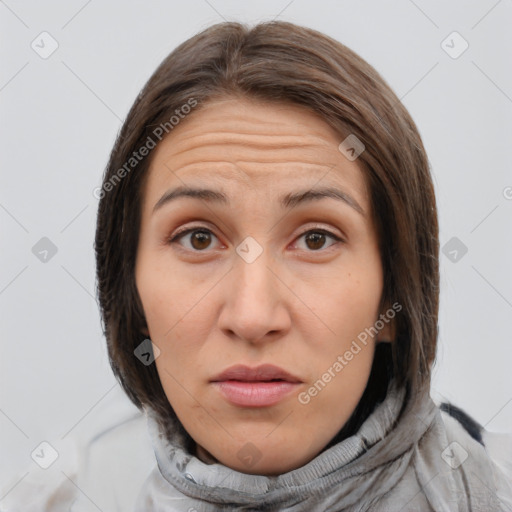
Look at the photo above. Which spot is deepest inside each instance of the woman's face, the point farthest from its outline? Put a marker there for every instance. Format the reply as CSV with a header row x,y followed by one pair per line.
x,y
260,270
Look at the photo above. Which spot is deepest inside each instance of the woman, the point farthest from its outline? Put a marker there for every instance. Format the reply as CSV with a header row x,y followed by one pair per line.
x,y
267,263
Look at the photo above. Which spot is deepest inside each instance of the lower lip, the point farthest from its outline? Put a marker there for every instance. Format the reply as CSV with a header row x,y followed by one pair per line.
x,y
255,394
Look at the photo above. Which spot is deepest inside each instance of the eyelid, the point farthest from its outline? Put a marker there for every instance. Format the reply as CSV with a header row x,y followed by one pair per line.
x,y
185,231
322,229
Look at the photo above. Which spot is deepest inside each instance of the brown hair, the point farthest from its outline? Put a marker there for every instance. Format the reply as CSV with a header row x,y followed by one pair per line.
x,y
282,62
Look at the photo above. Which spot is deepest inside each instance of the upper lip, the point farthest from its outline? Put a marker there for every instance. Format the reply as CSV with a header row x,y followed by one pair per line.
x,y
262,373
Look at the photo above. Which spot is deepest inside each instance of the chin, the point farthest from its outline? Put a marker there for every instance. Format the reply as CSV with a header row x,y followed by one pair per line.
x,y
267,461
267,468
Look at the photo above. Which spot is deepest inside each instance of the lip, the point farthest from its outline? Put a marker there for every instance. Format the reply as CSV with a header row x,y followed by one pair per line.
x,y
262,386
262,373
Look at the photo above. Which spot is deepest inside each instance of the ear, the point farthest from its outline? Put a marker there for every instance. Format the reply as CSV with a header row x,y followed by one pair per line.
x,y
388,333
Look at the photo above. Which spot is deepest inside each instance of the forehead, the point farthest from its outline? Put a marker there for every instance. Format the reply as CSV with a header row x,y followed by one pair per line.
x,y
250,145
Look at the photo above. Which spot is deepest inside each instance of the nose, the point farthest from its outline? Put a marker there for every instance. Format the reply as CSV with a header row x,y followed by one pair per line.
x,y
255,302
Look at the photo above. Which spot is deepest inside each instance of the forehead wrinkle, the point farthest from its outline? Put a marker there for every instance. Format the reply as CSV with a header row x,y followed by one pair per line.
x,y
220,166
232,171
262,141
310,156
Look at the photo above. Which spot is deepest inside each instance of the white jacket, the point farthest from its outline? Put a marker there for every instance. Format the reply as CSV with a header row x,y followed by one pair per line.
x,y
112,466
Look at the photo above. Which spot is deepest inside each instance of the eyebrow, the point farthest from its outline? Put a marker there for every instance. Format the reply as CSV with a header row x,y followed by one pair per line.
x,y
287,201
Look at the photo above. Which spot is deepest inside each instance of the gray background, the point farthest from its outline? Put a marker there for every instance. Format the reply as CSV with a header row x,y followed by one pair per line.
x,y
59,118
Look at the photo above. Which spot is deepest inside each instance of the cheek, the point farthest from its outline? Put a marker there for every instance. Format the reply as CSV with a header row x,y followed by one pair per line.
x,y
349,303
179,320
349,307
341,364
343,391
361,289
165,296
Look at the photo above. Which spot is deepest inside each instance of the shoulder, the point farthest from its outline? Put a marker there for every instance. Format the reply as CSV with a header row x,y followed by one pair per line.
x,y
495,452
106,460
472,427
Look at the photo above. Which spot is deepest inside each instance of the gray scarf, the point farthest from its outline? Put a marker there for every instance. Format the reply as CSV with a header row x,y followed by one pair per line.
x,y
396,461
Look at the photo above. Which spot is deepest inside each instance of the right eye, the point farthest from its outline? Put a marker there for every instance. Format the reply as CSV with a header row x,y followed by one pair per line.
x,y
196,239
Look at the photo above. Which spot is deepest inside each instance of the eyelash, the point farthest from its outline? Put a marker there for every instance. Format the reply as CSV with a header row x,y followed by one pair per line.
x,y
187,231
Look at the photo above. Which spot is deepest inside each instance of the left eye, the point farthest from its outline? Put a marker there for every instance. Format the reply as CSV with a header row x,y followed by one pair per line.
x,y
316,239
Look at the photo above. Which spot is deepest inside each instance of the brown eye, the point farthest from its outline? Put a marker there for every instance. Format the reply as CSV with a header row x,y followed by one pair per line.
x,y
200,240
315,240
194,239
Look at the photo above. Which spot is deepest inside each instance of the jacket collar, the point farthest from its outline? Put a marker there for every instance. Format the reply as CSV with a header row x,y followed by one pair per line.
x,y
348,472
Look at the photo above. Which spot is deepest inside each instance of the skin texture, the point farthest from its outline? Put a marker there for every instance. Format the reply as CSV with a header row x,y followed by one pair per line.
x,y
298,305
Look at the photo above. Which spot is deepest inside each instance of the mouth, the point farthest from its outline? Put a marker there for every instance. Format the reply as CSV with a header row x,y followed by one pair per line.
x,y
262,386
